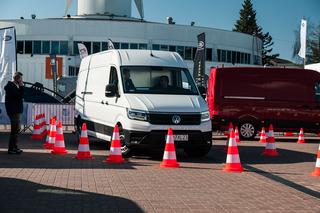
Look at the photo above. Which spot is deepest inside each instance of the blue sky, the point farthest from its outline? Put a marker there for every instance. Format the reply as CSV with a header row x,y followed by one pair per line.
x,y
279,17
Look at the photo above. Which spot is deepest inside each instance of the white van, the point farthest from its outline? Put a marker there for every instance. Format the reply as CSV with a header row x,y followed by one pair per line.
x,y
144,92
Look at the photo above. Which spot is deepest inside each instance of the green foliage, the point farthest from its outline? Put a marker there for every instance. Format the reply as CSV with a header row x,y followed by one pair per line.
x,y
247,23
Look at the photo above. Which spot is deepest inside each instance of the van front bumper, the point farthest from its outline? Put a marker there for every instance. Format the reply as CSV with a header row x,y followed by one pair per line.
x,y
157,138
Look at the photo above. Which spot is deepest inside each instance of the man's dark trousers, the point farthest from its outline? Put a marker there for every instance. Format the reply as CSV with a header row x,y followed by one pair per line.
x,y
15,129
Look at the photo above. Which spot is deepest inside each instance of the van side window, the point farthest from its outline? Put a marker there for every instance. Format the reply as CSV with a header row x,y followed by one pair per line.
x,y
113,79
317,91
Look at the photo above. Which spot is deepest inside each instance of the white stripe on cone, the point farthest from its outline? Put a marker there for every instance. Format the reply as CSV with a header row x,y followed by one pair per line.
x,y
318,163
271,145
233,158
169,155
84,134
59,144
115,136
83,148
115,151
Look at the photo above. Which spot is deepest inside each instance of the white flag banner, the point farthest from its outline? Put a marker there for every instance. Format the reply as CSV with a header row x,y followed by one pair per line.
x,y
303,39
68,4
83,52
110,45
139,4
8,57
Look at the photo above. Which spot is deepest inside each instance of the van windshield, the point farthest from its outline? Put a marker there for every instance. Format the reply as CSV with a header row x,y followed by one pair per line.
x,y
157,80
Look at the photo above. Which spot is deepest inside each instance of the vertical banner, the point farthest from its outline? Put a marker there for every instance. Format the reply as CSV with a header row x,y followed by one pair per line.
x,y
303,39
83,52
200,60
110,45
53,65
8,57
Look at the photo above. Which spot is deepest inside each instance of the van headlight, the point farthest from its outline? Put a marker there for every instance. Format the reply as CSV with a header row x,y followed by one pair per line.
x,y
205,116
137,115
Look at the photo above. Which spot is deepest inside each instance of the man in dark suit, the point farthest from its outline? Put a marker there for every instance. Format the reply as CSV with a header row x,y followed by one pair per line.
x,y
14,106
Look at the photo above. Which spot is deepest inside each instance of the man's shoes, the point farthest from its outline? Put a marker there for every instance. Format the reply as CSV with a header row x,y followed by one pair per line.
x,y
15,152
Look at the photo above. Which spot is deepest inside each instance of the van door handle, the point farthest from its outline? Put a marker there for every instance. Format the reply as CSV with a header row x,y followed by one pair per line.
x,y
106,103
102,102
87,93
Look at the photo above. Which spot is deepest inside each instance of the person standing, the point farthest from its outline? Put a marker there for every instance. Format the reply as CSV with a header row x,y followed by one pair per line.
x,y
14,106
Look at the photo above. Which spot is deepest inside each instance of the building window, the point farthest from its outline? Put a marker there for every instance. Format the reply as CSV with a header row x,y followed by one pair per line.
x,y
208,54
229,54
20,47
164,47
219,55
45,47
116,45
223,55
233,57
75,47
64,47
96,47
188,53
36,47
194,52
172,48
88,46
155,46
73,71
180,50
28,47
143,46
104,46
54,47
133,46
125,46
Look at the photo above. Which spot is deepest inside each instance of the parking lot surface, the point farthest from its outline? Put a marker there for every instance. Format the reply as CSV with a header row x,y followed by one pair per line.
x,y
37,181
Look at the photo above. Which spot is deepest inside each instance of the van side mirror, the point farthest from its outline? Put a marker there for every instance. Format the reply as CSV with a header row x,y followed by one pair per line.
x,y
111,90
203,91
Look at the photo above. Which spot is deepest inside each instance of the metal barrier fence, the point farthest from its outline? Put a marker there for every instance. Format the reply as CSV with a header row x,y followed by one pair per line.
x,y
64,112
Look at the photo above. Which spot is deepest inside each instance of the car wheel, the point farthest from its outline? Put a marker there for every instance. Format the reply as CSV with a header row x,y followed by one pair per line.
x,y
247,130
198,151
125,149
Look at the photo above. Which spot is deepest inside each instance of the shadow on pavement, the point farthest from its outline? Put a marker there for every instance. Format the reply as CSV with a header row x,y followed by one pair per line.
x,y
252,155
283,181
25,196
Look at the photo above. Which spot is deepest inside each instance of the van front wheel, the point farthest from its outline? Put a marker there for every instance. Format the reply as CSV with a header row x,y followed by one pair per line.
x,y
247,131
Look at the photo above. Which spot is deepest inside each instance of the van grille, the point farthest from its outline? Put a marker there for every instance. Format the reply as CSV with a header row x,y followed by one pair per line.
x,y
166,119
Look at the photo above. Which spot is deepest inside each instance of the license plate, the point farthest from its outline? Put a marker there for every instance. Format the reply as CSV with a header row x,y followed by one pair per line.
x,y
180,137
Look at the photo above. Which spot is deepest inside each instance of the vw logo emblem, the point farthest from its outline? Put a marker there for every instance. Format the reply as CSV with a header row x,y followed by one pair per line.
x,y
176,119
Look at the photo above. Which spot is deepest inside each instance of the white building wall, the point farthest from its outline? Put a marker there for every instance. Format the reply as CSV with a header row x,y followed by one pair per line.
x,y
120,31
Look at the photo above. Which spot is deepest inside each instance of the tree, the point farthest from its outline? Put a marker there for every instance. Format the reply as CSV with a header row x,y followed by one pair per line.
x,y
312,44
247,23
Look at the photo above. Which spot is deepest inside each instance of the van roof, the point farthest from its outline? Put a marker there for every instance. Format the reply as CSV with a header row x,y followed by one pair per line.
x,y
150,58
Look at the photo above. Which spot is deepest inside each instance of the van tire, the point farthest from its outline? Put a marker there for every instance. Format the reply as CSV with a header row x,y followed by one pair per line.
x,y
247,130
198,151
125,149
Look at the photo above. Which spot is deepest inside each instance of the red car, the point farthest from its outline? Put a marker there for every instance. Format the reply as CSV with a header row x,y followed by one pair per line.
x,y
253,97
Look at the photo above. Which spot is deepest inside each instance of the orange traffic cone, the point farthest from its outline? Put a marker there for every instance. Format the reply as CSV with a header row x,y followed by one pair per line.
x,y
51,136
36,133
115,148
271,144
43,125
233,163
83,149
59,147
236,134
169,156
263,137
301,136
316,171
